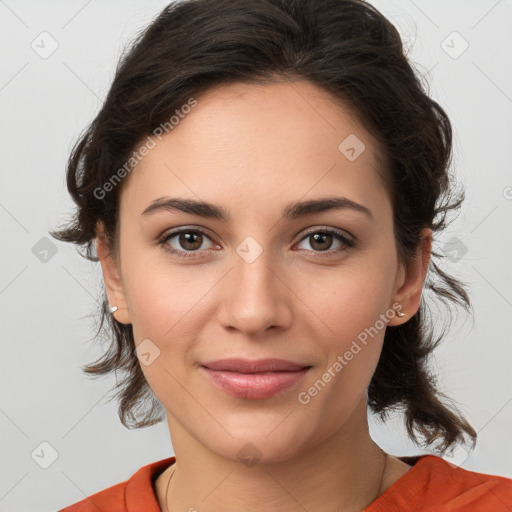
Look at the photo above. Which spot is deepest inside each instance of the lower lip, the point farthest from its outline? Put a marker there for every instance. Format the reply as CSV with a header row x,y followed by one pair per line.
x,y
253,386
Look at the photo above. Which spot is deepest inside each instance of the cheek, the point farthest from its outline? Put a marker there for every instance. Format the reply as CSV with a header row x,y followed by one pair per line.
x,y
165,307
166,310
162,295
351,348
349,331
170,307
349,300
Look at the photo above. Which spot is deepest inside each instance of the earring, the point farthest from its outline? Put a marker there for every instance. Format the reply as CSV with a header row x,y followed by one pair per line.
x,y
400,314
113,309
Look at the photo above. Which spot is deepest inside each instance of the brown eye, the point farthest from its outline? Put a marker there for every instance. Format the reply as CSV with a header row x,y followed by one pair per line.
x,y
185,242
322,241
190,240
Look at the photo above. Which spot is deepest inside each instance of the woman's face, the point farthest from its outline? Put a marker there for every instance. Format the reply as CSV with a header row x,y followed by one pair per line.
x,y
259,284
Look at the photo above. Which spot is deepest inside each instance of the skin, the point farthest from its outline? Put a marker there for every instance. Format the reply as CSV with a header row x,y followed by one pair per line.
x,y
252,149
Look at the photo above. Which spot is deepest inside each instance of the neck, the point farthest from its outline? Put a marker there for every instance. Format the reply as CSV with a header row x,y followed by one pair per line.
x,y
346,471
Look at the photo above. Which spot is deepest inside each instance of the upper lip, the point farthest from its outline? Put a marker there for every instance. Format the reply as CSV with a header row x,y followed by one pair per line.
x,y
254,366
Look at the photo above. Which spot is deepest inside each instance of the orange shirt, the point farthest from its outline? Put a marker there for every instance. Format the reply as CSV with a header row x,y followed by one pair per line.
x,y
431,485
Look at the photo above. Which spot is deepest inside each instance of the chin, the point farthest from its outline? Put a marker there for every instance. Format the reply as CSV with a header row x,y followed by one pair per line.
x,y
262,442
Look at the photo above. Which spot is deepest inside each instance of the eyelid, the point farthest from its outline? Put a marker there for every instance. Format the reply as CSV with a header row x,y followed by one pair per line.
x,y
166,236
347,239
309,231
180,229
328,229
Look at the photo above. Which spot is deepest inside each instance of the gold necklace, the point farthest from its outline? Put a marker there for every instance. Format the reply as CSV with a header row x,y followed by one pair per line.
x,y
379,492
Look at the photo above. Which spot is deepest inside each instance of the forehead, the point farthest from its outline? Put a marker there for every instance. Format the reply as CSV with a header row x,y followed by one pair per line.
x,y
248,143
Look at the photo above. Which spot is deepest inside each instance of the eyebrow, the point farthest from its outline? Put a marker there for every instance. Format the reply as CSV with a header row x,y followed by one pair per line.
x,y
293,210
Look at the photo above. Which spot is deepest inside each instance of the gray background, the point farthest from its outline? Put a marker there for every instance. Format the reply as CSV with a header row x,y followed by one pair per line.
x,y
47,290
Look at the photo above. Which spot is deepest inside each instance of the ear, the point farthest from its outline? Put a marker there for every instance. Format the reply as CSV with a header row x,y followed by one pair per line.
x,y
112,277
410,279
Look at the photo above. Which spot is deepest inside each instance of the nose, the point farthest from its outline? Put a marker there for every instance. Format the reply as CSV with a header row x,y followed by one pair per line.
x,y
256,296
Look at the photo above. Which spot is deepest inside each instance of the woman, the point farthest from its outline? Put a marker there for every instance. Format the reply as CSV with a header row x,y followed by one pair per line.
x,y
262,187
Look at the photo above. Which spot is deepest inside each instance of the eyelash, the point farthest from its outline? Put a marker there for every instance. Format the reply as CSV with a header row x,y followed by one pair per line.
x,y
341,237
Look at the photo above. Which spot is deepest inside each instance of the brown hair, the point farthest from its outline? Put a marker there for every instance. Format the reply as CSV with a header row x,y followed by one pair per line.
x,y
346,47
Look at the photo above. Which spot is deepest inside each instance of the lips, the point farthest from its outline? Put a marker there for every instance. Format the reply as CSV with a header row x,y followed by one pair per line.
x,y
255,380
257,366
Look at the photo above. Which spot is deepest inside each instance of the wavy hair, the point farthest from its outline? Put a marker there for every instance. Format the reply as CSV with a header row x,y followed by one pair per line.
x,y
347,48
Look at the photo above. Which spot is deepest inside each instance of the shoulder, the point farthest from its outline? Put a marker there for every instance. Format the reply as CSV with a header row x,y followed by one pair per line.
x,y
111,499
126,496
471,490
433,484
